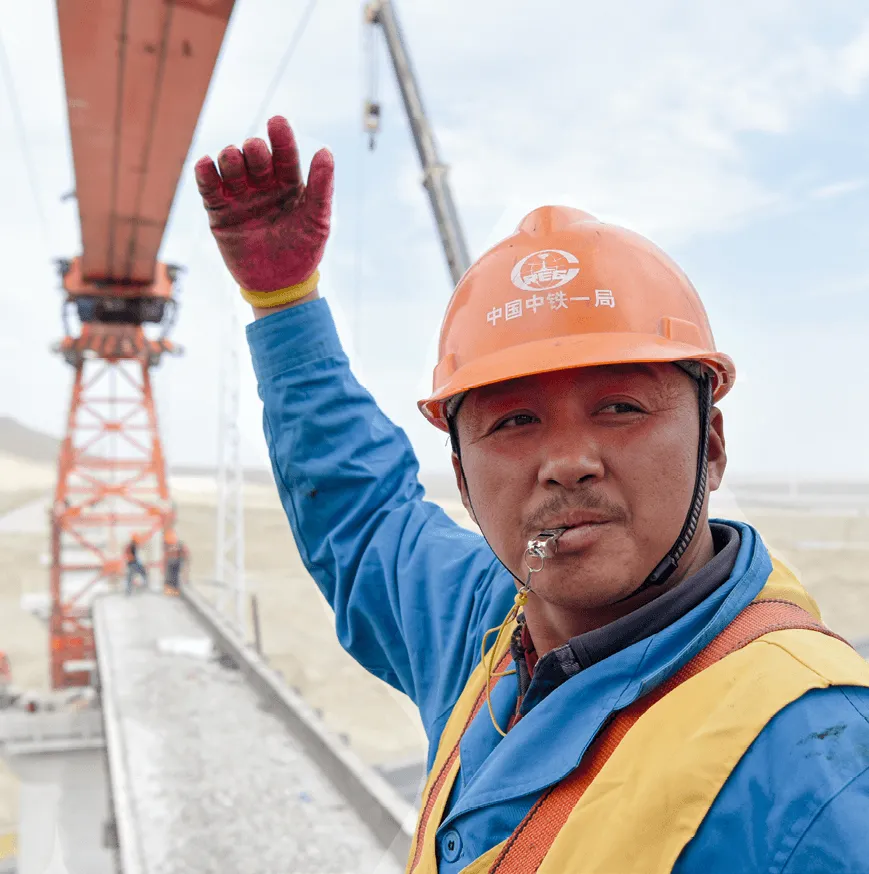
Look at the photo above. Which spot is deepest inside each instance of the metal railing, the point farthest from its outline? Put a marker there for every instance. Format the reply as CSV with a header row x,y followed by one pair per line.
x,y
50,732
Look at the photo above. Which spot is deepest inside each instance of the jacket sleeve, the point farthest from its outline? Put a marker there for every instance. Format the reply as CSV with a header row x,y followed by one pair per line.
x,y
798,800
836,840
412,591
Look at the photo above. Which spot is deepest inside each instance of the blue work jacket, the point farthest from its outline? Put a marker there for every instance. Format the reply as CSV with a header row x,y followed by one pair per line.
x,y
413,592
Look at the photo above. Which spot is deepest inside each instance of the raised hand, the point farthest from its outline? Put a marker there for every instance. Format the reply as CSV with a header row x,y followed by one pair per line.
x,y
270,227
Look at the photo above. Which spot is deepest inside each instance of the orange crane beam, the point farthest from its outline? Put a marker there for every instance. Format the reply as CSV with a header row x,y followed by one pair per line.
x,y
136,73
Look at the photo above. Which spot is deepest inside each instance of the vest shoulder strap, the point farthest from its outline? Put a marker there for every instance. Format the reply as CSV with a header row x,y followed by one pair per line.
x,y
525,849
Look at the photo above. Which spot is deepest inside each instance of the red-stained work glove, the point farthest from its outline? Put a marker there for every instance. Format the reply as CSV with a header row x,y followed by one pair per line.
x,y
270,227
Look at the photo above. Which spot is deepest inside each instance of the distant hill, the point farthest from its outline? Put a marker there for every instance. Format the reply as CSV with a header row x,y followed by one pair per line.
x,y
24,442
253,475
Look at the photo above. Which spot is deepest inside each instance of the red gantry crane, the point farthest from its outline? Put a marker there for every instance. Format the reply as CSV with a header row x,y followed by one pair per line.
x,y
136,75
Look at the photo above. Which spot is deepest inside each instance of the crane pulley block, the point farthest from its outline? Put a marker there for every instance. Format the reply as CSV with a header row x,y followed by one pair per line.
x,y
112,302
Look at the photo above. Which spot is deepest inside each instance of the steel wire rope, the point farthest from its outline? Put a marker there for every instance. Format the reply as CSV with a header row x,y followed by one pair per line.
x,y
369,77
293,44
18,120
225,303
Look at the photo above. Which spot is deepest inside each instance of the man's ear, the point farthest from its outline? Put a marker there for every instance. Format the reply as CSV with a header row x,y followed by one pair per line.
x,y
717,450
462,485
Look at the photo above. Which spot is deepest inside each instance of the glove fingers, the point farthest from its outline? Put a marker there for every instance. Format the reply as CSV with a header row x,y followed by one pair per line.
x,y
321,185
258,163
208,183
232,169
285,152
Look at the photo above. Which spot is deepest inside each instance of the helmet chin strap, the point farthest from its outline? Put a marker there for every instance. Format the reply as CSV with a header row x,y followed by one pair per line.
x,y
546,542
668,564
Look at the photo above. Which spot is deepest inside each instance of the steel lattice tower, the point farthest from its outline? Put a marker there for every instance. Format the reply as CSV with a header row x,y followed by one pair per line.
x,y
111,479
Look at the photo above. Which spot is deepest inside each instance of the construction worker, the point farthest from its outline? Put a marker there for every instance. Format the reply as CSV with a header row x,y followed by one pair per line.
x,y
8,694
135,568
176,558
657,692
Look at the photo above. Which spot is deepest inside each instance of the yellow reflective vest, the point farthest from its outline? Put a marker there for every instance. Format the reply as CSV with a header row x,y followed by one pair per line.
x,y
661,780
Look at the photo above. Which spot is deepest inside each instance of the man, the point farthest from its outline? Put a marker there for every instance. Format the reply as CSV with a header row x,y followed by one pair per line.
x,y
8,694
657,694
135,568
176,558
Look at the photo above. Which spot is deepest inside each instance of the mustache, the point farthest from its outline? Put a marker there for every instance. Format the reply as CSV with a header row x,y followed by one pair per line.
x,y
558,506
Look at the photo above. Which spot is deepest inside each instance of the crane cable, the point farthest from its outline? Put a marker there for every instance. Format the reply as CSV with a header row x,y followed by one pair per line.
x,y
370,79
372,104
295,39
197,243
22,141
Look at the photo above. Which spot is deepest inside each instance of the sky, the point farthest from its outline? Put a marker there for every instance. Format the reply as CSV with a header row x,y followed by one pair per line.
x,y
733,135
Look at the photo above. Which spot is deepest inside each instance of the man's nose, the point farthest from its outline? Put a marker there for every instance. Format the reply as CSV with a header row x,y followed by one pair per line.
x,y
569,459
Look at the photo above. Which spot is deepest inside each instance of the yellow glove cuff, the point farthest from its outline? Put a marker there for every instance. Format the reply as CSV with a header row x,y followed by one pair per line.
x,y
267,299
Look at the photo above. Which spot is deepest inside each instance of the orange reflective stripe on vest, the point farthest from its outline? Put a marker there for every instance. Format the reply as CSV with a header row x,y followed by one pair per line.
x,y
525,850
435,792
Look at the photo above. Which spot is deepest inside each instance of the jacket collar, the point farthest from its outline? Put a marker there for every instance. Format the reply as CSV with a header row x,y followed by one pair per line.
x,y
538,677
549,742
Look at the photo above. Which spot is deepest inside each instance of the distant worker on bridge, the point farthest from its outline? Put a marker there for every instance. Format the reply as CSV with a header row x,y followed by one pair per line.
x,y
176,560
135,568
657,692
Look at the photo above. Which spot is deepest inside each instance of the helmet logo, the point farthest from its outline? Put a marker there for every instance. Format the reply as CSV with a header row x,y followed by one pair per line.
x,y
544,270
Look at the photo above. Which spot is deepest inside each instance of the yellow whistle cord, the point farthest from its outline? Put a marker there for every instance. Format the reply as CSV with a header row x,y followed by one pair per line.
x,y
537,548
519,602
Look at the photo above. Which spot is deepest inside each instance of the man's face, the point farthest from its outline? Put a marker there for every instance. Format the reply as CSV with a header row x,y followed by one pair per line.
x,y
609,452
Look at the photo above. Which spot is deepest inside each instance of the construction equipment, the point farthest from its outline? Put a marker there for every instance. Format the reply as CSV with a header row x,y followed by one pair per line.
x,y
382,13
136,75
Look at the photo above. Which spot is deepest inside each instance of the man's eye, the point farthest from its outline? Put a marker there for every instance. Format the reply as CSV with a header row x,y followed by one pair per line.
x,y
515,421
621,407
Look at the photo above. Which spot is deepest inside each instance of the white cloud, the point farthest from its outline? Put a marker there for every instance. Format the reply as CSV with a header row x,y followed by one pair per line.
x,y
837,189
853,63
632,109
636,110
837,289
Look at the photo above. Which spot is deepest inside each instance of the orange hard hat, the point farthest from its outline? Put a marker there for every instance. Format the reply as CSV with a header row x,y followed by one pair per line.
x,y
564,291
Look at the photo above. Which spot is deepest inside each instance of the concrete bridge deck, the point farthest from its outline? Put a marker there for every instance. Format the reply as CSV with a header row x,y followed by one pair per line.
x,y
204,775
